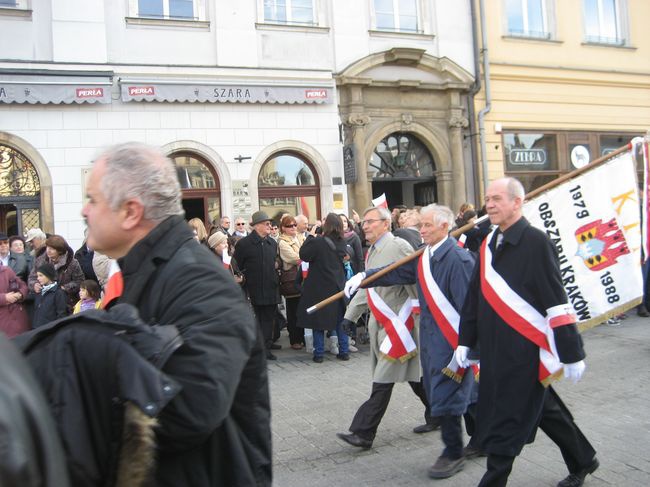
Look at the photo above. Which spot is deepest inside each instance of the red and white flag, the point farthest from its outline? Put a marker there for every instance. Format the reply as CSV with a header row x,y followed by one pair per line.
x,y
115,284
380,201
304,268
226,259
461,241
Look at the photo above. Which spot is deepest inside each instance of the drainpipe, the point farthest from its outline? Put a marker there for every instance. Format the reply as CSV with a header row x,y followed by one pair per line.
x,y
488,98
471,112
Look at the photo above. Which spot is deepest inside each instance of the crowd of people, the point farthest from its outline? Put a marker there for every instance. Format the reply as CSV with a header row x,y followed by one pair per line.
x,y
229,289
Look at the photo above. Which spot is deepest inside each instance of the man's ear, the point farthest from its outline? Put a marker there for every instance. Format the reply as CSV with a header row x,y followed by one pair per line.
x,y
133,211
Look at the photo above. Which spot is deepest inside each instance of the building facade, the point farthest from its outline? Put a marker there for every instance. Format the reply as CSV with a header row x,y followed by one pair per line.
x,y
569,82
256,102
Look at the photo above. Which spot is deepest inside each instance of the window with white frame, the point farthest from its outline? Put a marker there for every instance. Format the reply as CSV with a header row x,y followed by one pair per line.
x,y
290,12
17,4
604,22
528,18
397,15
168,9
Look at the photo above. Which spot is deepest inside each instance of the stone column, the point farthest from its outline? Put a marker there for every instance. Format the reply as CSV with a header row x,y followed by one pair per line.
x,y
458,184
359,194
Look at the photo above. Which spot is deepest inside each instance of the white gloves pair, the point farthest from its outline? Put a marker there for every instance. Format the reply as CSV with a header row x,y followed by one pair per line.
x,y
573,372
353,284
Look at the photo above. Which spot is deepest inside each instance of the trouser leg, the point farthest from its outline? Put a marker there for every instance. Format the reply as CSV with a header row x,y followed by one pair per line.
x,y
296,335
470,421
367,419
558,424
418,389
265,315
498,470
452,436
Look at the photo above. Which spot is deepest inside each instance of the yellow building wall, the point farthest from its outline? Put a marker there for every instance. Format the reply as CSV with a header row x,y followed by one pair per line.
x,y
564,84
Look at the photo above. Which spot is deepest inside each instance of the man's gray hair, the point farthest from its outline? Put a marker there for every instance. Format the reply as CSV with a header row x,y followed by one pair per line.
x,y
384,214
515,188
441,214
142,172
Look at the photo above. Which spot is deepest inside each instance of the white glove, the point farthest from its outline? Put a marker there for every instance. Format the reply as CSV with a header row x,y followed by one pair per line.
x,y
353,284
461,355
574,372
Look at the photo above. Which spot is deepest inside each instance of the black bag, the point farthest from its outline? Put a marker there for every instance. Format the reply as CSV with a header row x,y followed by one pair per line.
x,y
288,282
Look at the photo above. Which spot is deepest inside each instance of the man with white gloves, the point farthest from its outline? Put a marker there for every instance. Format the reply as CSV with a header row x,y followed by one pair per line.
x,y
516,311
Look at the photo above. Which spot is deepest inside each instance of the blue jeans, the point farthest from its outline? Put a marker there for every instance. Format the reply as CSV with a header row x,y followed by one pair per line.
x,y
319,340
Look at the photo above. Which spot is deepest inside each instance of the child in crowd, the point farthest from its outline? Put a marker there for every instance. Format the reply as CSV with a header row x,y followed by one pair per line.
x,y
88,297
50,303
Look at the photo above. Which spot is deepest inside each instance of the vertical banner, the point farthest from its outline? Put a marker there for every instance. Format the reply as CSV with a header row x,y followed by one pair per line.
x,y
594,222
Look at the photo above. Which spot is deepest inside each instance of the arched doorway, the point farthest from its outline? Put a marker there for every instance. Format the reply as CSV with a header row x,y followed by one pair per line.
x,y
20,193
200,187
287,183
402,167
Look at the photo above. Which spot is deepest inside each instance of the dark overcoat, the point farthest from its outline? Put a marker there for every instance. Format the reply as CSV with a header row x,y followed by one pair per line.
x,y
326,277
451,267
510,395
217,431
256,258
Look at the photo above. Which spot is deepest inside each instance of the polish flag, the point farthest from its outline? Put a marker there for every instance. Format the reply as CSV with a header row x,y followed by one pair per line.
x,y
304,207
226,259
304,267
461,241
115,284
380,201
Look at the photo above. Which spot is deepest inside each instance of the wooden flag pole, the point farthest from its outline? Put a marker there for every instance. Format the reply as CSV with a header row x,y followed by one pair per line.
x,y
464,228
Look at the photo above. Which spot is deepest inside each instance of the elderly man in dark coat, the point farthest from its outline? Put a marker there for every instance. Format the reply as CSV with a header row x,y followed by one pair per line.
x,y
256,255
442,274
217,430
519,267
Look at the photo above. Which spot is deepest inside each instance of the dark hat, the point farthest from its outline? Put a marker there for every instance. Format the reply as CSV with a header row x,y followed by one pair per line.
x,y
47,270
259,217
3,237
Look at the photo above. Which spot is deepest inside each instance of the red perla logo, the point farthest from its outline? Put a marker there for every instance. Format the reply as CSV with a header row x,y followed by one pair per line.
x,y
90,92
315,93
141,90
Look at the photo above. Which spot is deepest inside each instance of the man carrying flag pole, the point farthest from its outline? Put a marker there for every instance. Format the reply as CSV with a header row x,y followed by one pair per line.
x,y
442,276
516,310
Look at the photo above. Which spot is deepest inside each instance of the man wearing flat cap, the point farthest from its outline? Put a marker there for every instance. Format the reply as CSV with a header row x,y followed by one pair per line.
x,y
256,255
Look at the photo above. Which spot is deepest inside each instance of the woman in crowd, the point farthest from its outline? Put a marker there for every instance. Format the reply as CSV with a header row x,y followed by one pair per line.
x,y
218,243
326,276
200,232
13,317
289,245
68,271
353,240
17,247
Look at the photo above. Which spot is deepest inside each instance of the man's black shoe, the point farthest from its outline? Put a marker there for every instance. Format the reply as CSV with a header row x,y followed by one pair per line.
x,y
355,440
275,346
426,428
578,478
270,356
318,359
343,356
446,467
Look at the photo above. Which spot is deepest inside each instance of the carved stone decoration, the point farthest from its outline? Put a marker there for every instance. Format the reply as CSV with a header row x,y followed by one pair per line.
x,y
357,120
407,118
458,122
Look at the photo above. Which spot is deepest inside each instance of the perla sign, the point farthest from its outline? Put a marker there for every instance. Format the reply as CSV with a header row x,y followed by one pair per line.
x,y
527,157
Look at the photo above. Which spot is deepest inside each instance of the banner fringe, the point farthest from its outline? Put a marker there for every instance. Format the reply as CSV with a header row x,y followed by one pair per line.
x,y
452,375
600,319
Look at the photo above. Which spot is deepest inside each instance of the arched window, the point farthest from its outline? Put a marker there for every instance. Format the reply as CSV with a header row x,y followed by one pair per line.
x,y
288,184
20,193
403,169
200,186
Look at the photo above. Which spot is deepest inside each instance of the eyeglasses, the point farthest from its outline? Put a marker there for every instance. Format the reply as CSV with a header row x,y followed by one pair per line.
x,y
370,221
293,225
240,224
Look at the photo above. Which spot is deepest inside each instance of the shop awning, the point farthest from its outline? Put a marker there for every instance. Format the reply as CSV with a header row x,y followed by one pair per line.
x,y
62,87
215,92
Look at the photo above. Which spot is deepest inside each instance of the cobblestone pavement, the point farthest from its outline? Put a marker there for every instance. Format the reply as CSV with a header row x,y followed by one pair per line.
x,y
312,402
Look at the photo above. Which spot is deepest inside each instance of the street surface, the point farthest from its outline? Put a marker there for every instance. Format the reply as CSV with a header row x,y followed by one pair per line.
x,y
312,402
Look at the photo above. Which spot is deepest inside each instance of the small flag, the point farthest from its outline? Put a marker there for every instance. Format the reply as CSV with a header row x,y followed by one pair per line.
x,y
114,286
304,267
461,241
226,259
380,201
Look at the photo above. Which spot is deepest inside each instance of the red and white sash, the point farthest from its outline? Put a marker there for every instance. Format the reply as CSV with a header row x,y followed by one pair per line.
x,y
443,312
399,343
523,317
226,259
